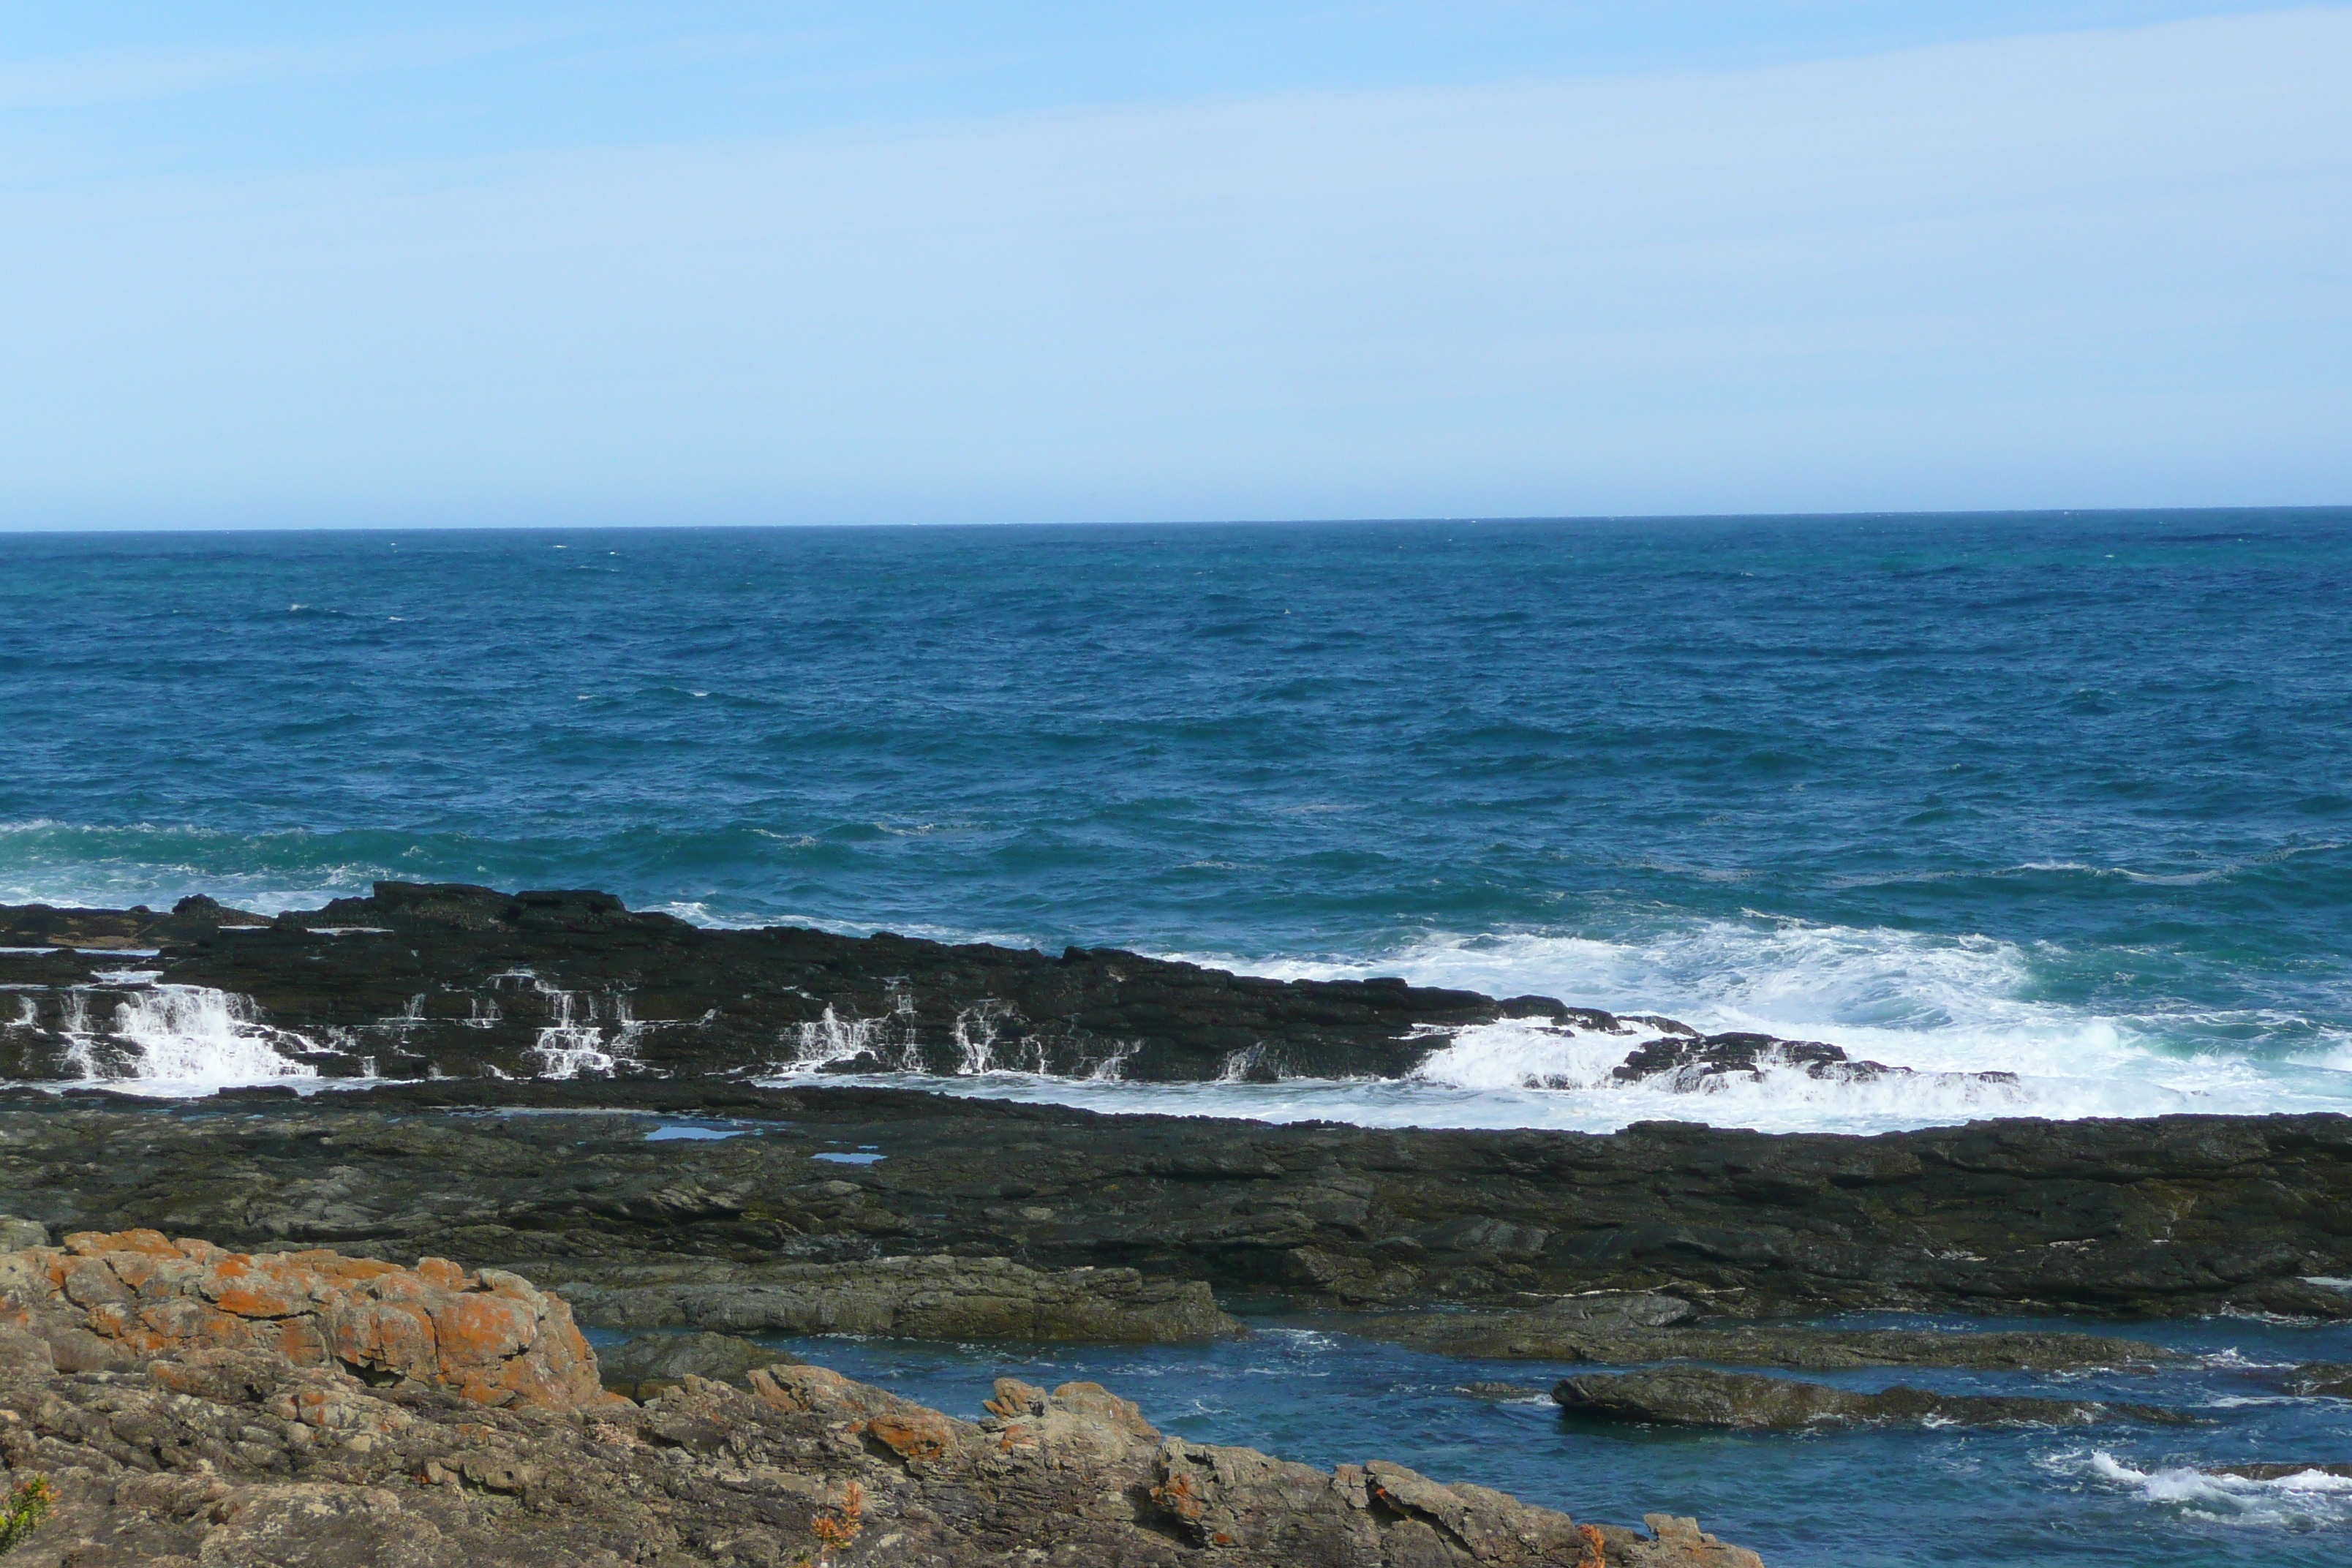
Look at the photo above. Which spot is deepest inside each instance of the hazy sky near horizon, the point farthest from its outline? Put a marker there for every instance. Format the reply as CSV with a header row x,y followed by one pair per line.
x,y
544,262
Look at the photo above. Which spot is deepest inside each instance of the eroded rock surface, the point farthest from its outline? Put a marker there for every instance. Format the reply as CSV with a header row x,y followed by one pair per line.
x,y
652,1364
124,1300
937,1298
1694,1396
233,1456
2164,1216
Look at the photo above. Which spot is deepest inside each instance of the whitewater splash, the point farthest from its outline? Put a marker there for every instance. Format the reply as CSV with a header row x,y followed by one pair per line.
x,y
2301,1500
1968,1017
173,1039
1934,1030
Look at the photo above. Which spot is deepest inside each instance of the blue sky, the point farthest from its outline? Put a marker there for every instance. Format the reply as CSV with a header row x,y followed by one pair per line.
x,y
277,265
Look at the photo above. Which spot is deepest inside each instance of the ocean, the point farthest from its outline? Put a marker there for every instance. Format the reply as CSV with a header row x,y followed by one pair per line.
x,y
2063,796
2067,795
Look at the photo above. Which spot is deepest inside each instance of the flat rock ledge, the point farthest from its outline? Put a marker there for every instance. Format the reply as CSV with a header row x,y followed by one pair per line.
x,y
206,1444
1745,1402
934,1298
1548,1336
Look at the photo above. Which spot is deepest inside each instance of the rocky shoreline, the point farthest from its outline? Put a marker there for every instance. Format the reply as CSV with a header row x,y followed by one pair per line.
x,y
453,981
2166,1218
185,1406
577,1114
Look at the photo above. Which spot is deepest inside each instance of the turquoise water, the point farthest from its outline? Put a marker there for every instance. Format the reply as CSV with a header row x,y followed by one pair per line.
x,y
2116,1495
2064,794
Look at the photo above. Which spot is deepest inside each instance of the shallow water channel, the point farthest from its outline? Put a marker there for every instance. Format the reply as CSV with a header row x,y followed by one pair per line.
x,y
2117,1494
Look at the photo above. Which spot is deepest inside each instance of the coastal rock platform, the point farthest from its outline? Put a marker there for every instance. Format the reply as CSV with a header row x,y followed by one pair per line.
x,y
195,1454
2161,1217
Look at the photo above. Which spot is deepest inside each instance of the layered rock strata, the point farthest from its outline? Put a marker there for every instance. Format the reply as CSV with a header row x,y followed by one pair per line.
x,y
2159,1218
937,1298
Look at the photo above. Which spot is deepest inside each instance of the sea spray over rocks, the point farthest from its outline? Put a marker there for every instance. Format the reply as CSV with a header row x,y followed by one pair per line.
x,y
450,981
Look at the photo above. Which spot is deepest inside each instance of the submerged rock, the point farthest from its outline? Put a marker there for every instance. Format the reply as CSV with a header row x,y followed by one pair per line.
x,y
2327,1379
1692,1396
1505,1392
2279,1471
1691,1062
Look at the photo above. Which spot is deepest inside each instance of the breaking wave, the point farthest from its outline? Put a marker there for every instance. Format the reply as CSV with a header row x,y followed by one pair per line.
x,y
2304,1500
1950,1010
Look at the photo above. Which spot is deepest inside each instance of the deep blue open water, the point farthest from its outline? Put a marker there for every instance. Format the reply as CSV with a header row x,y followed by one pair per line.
x,y
2069,795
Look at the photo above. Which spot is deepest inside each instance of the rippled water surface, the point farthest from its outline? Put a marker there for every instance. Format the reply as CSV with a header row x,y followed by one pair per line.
x,y
2062,795
2120,1495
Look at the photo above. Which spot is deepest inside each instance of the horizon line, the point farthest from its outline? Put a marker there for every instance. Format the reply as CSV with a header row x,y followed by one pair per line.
x,y
140,530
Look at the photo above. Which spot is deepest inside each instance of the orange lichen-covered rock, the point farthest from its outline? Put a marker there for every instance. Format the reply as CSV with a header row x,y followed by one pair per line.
x,y
493,1337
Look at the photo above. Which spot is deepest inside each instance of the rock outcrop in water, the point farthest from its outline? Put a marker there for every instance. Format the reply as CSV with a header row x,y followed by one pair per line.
x,y
1743,1402
234,1455
1538,1336
2160,1218
457,981
450,981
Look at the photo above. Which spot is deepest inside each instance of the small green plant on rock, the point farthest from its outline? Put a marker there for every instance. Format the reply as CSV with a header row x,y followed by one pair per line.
x,y
837,1526
27,1507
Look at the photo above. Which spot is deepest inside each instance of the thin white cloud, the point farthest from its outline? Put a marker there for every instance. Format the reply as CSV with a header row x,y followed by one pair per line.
x,y
117,76
2070,269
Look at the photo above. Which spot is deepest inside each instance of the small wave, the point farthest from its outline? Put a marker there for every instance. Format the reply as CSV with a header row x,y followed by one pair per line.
x,y
2306,1500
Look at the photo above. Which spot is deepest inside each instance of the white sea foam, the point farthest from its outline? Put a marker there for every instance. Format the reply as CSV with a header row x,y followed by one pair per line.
x,y
2308,1500
1946,1008
193,1037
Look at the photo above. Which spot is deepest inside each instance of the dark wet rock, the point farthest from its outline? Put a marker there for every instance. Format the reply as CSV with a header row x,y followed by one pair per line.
x,y
1615,1310
653,1364
461,981
1694,1397
2157,1217
1691,1062
2278,1472
936,1298
2327,1379
245,1458
1538,1336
